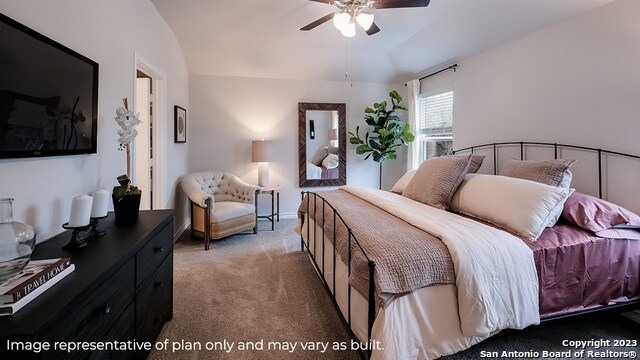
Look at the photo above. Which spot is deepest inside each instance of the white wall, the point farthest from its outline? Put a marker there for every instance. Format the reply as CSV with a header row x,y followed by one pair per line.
x,y
109,32
227,113
576,82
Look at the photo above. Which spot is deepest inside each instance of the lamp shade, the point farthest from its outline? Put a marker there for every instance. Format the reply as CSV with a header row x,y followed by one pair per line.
x,y
349,30
333,134
340,20
365,20
261,151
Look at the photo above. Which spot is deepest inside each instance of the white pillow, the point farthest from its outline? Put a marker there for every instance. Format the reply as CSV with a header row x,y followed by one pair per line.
x,y
522,207
331,161
399,186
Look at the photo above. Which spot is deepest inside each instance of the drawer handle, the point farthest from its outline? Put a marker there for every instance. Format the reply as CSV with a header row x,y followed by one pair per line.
x,y
159,249
107,310
159,284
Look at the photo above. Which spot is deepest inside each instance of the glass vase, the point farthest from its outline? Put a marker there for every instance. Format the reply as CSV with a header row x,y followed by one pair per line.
x,y
17,241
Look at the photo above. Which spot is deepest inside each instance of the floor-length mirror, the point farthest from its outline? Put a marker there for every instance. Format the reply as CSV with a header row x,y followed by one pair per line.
x,y
322,144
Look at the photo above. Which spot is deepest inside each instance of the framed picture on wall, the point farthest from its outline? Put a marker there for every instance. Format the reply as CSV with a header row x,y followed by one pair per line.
x,y
180,122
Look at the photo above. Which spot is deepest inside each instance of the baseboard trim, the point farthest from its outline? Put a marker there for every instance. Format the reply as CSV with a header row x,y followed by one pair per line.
x,y
633,315
282,216
181,230
288,216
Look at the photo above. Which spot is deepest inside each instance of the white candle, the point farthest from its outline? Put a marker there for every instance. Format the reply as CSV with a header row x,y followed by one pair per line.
x,y
100,204
80,211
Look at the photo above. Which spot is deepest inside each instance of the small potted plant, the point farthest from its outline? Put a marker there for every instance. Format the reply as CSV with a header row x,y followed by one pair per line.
x,y
126,197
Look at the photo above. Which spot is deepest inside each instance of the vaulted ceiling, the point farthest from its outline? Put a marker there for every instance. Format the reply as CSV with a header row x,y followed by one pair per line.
x,y
261,38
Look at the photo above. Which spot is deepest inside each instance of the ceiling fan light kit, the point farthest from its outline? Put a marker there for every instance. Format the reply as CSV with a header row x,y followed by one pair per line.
x,y
351,12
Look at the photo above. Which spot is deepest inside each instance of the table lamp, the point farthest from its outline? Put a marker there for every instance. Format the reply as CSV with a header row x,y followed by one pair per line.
x,y
262,153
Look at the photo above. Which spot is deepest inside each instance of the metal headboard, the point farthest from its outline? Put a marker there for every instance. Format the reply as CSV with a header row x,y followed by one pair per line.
x,y
556,148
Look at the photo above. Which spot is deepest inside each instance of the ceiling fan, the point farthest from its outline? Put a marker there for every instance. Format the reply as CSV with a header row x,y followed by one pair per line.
x,y
351,12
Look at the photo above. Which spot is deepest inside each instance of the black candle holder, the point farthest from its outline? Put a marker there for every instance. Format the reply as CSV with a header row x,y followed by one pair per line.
x,y
77,240
95,231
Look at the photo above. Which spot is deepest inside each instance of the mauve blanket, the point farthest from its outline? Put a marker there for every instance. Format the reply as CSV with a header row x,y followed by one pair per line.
x,y
406,257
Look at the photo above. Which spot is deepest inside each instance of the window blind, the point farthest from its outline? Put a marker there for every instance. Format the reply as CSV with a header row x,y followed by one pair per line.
x,y
436,116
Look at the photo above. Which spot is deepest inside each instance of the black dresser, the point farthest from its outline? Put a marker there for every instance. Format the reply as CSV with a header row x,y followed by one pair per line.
x,y
121,291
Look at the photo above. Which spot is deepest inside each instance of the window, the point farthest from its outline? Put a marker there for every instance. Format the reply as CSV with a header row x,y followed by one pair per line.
x,y
436,125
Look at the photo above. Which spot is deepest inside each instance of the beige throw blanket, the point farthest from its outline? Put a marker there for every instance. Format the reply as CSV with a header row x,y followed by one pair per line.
x,y
406,257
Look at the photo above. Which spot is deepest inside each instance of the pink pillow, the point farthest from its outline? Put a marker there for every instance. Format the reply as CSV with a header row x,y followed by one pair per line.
x,y
603,218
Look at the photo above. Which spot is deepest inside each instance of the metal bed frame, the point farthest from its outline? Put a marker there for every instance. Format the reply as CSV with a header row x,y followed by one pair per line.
x,y
619,307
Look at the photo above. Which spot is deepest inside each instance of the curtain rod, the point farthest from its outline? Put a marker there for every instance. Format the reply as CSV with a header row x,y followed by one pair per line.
x,y
454,66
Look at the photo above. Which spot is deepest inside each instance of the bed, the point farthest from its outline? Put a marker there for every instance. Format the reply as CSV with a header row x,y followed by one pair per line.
x,y
325,164
315,172
434,308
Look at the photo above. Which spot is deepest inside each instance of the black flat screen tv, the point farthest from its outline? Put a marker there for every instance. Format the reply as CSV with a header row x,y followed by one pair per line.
x,y
48,95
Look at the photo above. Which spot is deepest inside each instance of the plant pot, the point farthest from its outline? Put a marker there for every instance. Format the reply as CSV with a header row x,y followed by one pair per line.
x,y
126,209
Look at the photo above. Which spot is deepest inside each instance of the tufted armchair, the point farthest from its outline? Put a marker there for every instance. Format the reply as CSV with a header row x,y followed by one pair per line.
x,y
221,204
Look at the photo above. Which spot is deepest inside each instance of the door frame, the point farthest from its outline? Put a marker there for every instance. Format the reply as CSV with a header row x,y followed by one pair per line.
x,y
159,129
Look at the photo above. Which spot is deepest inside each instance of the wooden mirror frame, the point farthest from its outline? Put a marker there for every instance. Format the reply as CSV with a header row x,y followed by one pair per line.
x,y
342,143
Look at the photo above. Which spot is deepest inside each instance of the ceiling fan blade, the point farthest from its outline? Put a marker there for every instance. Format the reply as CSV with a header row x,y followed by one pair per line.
x,y
318,22
373,29
388,4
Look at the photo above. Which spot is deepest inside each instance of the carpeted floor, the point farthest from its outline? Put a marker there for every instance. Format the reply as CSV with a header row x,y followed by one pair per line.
x,y
250,288
255,289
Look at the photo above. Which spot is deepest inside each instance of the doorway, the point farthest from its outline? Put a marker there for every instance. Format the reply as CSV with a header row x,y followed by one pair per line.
x,y
144,140
148,170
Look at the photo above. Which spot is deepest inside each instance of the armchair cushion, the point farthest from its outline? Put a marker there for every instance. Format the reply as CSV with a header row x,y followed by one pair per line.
x,y
226,210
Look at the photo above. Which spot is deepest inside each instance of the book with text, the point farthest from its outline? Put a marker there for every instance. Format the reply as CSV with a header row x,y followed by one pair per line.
x,y
35,274
10,309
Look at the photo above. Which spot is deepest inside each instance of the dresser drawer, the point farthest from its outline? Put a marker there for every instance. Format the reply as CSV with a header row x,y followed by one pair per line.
x,y
92,318
152,290
152,254
122,331
159,315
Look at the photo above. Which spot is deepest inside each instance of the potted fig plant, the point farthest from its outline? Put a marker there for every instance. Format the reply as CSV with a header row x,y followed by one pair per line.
x,y
126,197
388,131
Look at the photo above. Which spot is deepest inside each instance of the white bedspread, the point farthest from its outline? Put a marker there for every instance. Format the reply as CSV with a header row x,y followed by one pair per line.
x,y
313,171
496,279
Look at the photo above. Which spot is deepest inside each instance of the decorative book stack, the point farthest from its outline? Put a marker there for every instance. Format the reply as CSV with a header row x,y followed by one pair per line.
x,y
37,277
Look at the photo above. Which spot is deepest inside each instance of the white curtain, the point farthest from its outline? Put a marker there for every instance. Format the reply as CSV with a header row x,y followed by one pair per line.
x,y
413,101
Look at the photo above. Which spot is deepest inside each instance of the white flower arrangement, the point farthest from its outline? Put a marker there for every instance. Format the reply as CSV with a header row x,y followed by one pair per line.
x,y
127,120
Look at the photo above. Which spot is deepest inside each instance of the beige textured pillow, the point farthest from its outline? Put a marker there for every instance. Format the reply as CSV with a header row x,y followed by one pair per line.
x,y
474,163
436,180
549,172
522,207
320,154
402,183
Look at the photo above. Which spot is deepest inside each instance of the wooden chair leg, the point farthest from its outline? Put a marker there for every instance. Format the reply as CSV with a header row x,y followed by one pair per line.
x,y
207,224
255,208
193,234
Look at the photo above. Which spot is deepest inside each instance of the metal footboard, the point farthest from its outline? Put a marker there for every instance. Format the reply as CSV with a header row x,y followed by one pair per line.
x,y
352,243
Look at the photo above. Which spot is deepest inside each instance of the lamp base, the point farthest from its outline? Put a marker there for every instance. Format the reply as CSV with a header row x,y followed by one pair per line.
x,y
263,174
